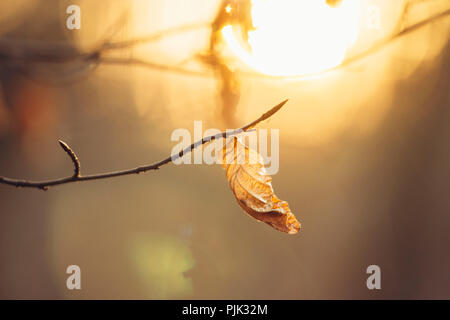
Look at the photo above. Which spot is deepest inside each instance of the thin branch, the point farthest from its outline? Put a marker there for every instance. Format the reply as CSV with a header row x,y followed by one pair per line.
x,y
76,177
151,65
73,157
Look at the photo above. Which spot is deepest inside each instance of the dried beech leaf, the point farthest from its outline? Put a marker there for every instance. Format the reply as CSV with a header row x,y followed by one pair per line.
x,y
252,187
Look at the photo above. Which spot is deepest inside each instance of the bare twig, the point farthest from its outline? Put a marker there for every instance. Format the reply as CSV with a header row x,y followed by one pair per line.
x,y
76,177
153,37
73,157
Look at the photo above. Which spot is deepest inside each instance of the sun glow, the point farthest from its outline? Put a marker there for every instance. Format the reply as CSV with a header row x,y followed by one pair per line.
x,y
296,37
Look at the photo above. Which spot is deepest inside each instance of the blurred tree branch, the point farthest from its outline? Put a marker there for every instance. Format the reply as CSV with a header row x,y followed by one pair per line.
x,y
78,177
14,53
27,59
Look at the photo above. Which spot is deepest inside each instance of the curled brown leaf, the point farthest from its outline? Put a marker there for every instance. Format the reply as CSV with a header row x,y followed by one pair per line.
x,y
252,187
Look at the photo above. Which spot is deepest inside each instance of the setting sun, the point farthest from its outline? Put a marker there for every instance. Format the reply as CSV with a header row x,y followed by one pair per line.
x,y
296,37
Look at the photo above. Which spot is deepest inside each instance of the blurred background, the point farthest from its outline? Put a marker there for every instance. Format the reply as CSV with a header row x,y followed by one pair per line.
x,y
364,155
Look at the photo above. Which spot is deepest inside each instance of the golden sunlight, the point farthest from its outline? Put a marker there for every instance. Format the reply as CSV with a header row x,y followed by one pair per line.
x,y
296,37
